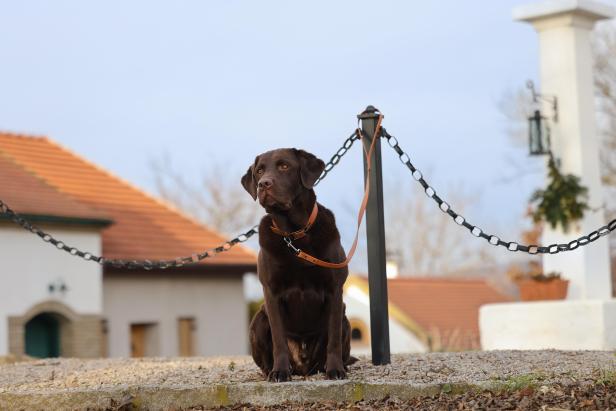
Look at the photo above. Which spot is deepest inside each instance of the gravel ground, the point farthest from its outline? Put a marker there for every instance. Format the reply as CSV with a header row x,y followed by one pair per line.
x,y
441,368
516,379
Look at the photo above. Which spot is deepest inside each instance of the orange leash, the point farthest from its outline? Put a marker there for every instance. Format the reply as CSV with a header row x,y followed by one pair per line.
x,y
362,209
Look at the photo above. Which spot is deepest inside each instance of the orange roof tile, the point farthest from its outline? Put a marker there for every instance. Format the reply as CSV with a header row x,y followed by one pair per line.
x,y
144,227
29,195
447,306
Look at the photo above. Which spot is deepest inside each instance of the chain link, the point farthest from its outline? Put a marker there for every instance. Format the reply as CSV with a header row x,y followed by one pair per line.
x,y
478,232
348,143
161,264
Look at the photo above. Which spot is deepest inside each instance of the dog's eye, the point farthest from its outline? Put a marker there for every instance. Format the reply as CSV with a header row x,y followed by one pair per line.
x,y
259,170
283,166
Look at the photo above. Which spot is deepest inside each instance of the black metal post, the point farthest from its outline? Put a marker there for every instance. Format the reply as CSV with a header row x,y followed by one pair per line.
x,y
375,230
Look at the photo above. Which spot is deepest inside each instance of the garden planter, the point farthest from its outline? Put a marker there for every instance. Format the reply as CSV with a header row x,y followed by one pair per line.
x,y
533,290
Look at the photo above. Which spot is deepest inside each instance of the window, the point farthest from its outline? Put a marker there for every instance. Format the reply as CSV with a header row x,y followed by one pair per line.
x,y
356,334
186,335
105,337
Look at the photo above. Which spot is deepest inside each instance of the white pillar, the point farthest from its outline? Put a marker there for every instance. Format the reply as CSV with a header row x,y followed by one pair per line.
x,y
564,29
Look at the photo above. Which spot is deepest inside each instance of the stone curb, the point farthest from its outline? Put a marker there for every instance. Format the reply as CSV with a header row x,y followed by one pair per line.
x,y
260,393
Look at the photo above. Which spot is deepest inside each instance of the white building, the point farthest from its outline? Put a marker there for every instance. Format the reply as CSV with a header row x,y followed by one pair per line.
x,y
425,314
55,304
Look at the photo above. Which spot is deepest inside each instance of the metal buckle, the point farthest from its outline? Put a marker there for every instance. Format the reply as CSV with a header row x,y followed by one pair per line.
x,y
290,245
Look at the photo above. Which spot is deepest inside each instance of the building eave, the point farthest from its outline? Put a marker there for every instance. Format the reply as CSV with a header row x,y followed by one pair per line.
x,y
63,220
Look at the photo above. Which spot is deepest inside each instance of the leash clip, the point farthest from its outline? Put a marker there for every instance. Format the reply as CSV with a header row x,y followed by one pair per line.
x,y
295,250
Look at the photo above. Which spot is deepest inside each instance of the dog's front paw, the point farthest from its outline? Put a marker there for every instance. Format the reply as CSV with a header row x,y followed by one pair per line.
x,y
334,368
279,376
336,374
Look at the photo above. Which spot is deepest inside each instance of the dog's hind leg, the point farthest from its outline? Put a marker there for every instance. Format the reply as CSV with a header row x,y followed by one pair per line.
x,y
261,345
347,359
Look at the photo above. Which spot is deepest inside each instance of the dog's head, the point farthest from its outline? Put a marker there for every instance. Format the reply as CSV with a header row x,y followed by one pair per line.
x,y
278,177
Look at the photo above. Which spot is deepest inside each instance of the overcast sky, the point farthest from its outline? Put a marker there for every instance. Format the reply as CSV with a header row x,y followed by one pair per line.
x,y
123,82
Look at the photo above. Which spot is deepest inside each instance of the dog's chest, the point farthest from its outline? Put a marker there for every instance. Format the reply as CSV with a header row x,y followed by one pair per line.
x,y
303,307
297,295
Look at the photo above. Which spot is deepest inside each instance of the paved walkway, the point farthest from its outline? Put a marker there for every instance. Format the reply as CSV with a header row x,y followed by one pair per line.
x,y
183,383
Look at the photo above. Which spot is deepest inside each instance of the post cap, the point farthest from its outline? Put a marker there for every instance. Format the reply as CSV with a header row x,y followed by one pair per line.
x,y
369,112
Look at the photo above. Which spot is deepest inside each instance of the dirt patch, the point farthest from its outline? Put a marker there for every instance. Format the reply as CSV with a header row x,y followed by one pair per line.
x,y
558,397
12,359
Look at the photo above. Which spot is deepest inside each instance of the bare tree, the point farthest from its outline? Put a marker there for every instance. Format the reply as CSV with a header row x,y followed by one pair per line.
x,y
604,48
422,240
215,198
516,106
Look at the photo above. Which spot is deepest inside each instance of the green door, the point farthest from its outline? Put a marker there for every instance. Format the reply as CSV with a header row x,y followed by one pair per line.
x,y
43,336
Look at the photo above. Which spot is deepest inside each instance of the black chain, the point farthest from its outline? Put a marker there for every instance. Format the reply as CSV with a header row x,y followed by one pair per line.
x,y
133,264
348,143
160,264
478,232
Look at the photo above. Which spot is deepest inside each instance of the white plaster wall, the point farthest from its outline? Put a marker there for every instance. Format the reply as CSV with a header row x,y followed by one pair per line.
x,y
28,265
565,325
401,339
217,304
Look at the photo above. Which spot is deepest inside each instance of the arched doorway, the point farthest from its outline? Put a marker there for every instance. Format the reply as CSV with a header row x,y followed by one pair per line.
x,y
43,336
360,335
52,329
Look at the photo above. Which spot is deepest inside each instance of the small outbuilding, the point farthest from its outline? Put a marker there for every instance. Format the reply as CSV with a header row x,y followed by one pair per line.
x,y
55,304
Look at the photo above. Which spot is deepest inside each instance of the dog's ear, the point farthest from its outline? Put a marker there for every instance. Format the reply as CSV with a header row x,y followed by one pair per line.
x,y
249,182
311,167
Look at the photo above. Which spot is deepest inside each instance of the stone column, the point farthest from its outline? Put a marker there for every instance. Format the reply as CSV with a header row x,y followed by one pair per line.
x,y
564,28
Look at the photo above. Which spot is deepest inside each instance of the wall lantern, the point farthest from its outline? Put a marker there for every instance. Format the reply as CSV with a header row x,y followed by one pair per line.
x,y
538,127
57,286
538,135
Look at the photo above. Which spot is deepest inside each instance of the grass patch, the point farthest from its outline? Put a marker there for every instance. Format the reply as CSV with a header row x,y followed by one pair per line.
x,y
520,382
606,378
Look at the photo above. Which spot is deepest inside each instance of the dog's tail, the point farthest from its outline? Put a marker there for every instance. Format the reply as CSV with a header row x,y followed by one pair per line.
x,y
351,360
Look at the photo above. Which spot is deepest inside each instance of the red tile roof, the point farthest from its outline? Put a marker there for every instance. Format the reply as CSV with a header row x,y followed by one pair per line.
x,y
446,308
62,183
30,195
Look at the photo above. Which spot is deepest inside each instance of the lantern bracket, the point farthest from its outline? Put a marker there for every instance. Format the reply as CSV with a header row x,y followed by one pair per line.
x,y
553,100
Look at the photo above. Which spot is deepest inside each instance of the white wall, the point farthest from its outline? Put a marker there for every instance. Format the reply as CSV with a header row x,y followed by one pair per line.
x,y
28,265
401,340
217,304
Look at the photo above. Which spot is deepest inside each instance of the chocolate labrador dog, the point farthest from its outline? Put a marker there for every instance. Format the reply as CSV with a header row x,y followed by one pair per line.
x,y
302,328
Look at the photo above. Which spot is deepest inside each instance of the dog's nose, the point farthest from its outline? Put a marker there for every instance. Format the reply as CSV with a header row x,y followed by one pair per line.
x,y
265,183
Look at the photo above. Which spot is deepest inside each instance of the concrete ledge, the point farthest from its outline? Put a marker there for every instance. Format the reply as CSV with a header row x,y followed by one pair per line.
x,y
153,398
561,325
160,384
